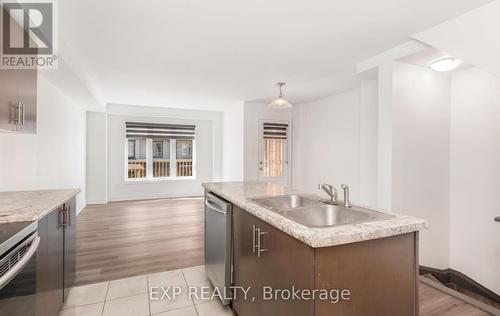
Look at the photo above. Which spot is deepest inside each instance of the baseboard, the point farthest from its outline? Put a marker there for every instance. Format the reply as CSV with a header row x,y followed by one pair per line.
x,y
455,277
92,202
80,208
443,288
130,199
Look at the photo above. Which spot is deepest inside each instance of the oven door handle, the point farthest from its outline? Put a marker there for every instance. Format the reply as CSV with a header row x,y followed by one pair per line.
x,y
11,274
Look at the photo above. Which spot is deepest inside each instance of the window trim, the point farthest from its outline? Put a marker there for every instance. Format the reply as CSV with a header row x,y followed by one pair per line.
x,y
149,163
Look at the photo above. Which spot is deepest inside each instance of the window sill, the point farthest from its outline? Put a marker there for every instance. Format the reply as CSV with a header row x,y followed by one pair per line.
x,y
158,180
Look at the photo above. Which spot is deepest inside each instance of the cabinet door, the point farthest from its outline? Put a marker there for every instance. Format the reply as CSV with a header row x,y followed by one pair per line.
x,y
246,272
19,86
28,98
69,246
42,270
49,264
285,264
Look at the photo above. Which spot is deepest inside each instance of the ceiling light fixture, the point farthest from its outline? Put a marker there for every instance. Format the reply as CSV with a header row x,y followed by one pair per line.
x,y
445,64
280,102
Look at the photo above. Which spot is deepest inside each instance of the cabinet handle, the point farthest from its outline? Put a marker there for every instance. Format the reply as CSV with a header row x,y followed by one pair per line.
x,y
66,215
254,246
19,113
16,113
259,242
62,217
21,116
68,211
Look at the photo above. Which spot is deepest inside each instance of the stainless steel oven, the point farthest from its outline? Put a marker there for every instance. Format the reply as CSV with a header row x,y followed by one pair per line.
x,y
18,245
218,243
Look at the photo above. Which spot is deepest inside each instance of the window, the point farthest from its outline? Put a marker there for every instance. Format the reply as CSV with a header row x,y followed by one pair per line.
x,y
131,149
160,151
157,149
184,150
273,165
137,163
161,158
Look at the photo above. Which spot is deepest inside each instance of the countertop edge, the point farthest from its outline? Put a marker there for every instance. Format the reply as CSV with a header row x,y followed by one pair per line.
x,y
49,209
24,213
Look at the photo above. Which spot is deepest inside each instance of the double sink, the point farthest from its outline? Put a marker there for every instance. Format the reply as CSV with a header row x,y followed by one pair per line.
x,y
314,213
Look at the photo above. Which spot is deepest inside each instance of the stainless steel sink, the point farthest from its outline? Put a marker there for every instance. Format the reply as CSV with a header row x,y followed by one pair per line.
x,y
332,215
313,213
283,202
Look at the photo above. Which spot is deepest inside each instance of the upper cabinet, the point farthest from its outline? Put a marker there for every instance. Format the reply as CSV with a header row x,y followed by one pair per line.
x,y
18,100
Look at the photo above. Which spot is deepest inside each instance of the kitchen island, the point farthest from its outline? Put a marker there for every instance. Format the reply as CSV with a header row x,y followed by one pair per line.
x,y
366,268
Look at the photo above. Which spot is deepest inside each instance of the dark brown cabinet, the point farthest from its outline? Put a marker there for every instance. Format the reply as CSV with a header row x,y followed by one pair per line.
x,y
69,274
245,262
56,258
380,274
266,258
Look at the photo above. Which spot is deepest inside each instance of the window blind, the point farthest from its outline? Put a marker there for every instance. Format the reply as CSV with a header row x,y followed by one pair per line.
x,y
154,130
275,131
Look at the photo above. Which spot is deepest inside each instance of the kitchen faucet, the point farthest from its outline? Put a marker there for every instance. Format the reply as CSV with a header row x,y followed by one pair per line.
x,y
331,191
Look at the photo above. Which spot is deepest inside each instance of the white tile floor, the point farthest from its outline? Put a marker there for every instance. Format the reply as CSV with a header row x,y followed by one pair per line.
x,y
130,297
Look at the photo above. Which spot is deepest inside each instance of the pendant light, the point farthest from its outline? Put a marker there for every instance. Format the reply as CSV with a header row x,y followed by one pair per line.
x,y
280,102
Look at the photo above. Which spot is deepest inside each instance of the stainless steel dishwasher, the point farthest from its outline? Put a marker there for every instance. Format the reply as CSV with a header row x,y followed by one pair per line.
x,y
218,243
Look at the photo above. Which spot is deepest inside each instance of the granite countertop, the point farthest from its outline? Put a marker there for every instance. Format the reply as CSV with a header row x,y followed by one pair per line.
x,y
239,194
20,206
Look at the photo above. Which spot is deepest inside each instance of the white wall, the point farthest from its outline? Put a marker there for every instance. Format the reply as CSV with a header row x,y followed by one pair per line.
x,y
368,142
54,158
254,112
384,135
232,142
326,143
420,155
438,155
96,158
475,181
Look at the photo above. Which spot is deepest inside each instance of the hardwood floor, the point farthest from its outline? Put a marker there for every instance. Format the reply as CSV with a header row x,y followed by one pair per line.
x,y
436,303
124,239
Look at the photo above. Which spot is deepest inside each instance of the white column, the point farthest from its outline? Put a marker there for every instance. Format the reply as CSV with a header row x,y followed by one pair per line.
x,y
384,159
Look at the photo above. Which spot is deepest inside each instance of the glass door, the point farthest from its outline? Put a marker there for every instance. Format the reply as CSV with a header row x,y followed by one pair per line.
x,y
274,152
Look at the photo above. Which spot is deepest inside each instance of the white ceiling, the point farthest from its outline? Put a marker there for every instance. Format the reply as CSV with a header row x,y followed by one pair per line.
x,y
221,51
